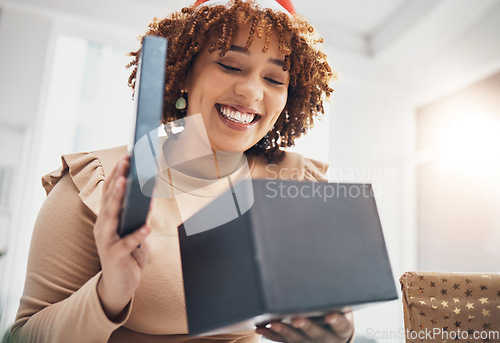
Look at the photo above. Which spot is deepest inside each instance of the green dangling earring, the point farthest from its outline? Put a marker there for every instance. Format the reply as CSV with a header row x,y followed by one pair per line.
x,y
181,103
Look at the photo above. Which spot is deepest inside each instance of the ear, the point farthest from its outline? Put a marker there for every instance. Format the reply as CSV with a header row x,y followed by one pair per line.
x,y
185,85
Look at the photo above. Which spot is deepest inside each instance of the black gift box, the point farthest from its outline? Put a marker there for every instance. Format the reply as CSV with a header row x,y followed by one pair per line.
x,y
301,248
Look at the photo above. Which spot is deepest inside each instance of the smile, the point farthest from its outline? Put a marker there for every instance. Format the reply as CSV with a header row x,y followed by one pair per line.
x,y
233,115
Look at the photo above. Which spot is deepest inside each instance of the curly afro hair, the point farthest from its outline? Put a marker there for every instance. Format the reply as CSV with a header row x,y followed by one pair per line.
x,y
192,29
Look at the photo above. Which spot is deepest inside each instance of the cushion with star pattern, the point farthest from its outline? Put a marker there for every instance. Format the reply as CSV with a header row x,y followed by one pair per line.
x,y
451,307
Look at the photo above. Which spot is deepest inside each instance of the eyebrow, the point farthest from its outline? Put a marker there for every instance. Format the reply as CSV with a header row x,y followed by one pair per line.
x,y
238,48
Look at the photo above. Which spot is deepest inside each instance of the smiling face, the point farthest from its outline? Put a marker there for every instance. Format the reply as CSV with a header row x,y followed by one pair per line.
x,y
240,95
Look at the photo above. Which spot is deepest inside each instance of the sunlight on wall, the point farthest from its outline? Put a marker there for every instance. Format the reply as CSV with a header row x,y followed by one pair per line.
x,y
458,180
469,146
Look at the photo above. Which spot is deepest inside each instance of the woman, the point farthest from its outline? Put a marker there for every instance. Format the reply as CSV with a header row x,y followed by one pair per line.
x,y
254,74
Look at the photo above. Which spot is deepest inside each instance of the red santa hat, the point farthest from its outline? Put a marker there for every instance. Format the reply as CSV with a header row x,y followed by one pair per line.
x,y
284,6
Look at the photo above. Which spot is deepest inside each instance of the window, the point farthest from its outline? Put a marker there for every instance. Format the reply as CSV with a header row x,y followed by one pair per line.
x,y
89,104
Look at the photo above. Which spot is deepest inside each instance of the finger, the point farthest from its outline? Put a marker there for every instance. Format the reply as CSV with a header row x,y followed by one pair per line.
x,y
341,324
290,334
129,243
107,221
314,331
270,335
113,173
121,171
150,210
141,253
110,210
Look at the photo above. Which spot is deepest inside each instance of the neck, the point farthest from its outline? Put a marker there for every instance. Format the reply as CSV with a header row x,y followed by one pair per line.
x,y
227,161
193,158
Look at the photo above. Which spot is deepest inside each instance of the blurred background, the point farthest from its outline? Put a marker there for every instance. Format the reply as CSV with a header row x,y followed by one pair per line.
x,y
416,112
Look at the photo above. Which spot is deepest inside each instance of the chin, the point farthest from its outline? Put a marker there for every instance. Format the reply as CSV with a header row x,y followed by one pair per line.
x,y
224,146
232,149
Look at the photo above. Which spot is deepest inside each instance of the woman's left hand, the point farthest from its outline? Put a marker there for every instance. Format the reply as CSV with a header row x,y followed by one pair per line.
x,y
339,328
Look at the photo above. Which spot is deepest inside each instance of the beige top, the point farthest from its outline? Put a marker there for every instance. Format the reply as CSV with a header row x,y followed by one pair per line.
x,y
60,301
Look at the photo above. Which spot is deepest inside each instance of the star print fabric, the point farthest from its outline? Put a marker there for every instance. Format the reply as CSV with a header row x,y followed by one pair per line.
x,y
451,307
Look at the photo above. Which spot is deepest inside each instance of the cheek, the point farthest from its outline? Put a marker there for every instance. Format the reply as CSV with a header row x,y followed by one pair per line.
x,y
280,97
278,102
214,87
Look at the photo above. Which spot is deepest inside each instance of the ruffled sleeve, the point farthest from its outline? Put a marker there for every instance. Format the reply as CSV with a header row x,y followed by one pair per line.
x,y
315,170
86,173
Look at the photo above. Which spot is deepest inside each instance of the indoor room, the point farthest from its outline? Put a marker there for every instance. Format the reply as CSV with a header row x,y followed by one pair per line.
x,y
415,112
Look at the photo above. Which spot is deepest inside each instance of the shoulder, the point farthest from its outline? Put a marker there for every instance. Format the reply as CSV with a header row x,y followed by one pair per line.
x,y
293,166
87,171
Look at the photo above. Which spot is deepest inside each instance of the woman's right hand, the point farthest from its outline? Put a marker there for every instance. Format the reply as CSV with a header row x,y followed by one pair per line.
x,y
122,259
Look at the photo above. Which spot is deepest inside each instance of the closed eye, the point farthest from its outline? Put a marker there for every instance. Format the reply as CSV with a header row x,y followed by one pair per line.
x,y
273,81
228,68
233,69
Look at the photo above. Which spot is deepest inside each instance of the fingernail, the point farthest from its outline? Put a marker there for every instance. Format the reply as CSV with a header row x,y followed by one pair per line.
x,y
333,319
276,327
144,231
299,323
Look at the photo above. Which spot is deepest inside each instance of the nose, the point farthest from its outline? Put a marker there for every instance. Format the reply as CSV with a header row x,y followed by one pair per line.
x,y
250,87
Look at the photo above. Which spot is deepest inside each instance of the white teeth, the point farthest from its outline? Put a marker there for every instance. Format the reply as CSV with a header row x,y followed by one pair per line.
x,y
236,116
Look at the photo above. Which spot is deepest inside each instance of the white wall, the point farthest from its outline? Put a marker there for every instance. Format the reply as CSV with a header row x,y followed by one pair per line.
x,y
24,41
372,140
25,46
